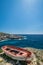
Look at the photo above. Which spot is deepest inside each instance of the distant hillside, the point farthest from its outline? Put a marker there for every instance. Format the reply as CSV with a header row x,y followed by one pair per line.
x,y
4,36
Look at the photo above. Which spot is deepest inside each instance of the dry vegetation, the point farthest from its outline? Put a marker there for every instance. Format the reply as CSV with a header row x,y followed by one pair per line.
x,y
38,60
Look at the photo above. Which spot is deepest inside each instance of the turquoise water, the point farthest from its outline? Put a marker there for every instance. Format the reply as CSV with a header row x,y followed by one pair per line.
x,y
35,41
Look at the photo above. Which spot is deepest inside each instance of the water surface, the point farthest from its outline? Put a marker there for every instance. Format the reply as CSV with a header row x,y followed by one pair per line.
x,y
35,41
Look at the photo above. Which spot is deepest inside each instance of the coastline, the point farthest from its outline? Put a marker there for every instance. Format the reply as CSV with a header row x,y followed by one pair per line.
x,y
37,58
4,40
32,48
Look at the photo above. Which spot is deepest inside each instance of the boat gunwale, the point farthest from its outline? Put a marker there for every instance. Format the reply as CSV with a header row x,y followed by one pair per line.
x,y
16,48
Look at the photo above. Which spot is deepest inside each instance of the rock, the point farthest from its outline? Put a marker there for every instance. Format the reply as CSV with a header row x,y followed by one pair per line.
x,y
9,64
1,59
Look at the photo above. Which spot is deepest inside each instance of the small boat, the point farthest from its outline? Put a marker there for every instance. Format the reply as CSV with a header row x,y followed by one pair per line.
x,y
17,53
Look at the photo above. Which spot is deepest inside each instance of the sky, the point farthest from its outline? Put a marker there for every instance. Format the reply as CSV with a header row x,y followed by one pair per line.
x,y
21,16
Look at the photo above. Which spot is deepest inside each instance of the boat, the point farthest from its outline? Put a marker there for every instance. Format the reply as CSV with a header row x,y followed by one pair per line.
x,y
17,53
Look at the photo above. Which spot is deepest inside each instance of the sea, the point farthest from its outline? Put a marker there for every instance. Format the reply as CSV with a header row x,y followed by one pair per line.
x,y
30,40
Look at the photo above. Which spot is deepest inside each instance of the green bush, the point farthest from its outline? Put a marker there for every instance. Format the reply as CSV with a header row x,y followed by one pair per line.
x,y
1,50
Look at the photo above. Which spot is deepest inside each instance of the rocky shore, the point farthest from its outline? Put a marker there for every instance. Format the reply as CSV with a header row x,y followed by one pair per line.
x,y
37,59
6,36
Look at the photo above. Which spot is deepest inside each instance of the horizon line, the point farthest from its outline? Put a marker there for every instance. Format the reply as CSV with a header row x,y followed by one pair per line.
x,y
21,33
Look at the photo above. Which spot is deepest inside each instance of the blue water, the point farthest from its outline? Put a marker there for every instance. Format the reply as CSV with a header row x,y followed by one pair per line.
x,y
35,41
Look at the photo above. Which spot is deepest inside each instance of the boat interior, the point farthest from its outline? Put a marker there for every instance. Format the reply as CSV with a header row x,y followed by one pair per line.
x,y
14,51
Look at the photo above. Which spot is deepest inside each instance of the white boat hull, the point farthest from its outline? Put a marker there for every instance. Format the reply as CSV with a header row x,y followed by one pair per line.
x,y
19,58
26,55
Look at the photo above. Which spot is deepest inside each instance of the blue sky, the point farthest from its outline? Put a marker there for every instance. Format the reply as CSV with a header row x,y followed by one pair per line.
x,y
21,16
